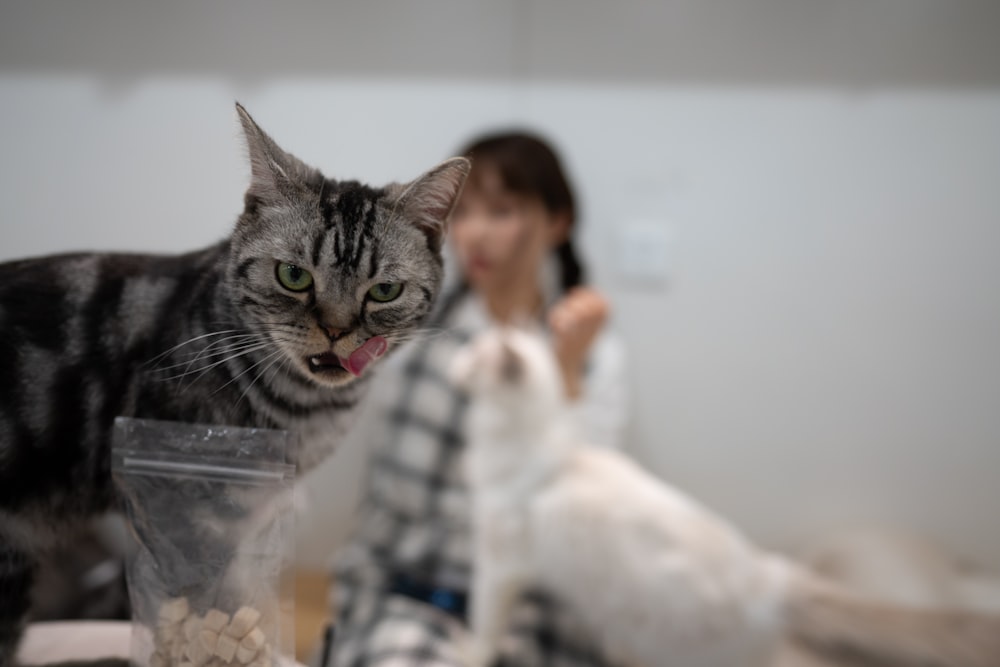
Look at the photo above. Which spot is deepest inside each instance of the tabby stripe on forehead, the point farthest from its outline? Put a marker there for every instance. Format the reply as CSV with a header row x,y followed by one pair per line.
x,y
318,248
338,246
326,209
357,215
350,211
373,249
359,250
363,233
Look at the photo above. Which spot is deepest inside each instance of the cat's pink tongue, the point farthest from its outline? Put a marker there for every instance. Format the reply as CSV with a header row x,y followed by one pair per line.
x,y
372,349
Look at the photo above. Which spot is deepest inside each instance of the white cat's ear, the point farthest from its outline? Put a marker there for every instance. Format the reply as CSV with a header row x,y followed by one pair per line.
x,y
429,200
273,172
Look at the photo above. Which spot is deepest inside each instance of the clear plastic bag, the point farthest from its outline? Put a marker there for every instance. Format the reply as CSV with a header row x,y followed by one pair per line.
x,y
210,511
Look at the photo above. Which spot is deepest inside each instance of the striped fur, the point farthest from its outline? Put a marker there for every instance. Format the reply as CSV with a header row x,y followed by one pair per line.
x,y
206,337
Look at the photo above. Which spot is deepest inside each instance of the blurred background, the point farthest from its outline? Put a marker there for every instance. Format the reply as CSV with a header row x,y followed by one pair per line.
x,y
793,205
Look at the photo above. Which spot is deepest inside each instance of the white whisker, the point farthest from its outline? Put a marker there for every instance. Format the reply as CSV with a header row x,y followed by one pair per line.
x,y
192,366
280,361
191,340
224,346
201,370
252,366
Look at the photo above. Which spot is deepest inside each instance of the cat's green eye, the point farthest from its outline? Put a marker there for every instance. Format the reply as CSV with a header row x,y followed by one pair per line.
x,y
384,292
293,277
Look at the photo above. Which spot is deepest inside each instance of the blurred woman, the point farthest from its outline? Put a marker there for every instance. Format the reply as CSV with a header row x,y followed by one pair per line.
x,y
401,585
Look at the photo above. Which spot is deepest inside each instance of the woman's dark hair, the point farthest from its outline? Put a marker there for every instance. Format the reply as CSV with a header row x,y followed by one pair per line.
x,y
528,166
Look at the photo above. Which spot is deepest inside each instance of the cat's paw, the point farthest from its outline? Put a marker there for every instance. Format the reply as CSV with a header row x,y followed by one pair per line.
x,y
476,653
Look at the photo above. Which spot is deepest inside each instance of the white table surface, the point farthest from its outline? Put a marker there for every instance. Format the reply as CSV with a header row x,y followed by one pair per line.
x,y
78,640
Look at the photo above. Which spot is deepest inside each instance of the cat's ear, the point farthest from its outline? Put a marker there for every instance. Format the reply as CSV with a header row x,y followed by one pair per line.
x,y
429,200
273,172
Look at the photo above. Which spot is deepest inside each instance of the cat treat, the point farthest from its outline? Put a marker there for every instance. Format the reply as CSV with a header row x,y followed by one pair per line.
x,y
210,639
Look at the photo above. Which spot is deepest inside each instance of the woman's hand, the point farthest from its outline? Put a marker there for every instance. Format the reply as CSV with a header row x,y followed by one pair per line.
x,y
575,320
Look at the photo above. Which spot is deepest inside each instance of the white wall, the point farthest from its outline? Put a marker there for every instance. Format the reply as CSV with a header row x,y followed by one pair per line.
x,y
825,349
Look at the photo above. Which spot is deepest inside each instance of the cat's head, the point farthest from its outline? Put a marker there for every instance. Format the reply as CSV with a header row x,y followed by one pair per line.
x,y
512,373
336,273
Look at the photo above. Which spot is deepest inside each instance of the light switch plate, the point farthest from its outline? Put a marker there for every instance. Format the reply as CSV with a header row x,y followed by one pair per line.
x,y
644,251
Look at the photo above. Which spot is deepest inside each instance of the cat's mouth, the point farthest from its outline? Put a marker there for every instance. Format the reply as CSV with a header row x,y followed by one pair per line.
x,y
326,363
335,366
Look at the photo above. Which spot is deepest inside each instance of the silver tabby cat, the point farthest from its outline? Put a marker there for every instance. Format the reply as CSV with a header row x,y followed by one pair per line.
x,y
273,327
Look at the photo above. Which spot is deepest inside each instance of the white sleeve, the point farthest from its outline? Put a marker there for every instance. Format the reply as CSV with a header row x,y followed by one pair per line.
x,y
601,412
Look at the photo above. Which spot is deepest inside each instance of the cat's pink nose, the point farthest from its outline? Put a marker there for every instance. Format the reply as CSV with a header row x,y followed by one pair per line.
x,y
333,333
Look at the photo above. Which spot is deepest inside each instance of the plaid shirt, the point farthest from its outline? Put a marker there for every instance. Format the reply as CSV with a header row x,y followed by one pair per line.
x,y
414,517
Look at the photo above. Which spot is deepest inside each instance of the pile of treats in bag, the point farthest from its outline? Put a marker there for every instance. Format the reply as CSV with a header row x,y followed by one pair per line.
x,y
185,639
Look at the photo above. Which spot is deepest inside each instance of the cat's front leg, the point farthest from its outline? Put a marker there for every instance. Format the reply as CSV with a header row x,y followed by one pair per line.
x,y
494,594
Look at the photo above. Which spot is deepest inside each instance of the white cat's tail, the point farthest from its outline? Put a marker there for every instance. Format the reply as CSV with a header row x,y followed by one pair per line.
x,y
831,618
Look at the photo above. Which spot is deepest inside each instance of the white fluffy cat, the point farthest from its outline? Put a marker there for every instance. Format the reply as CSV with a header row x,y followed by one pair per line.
x,y
654,577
